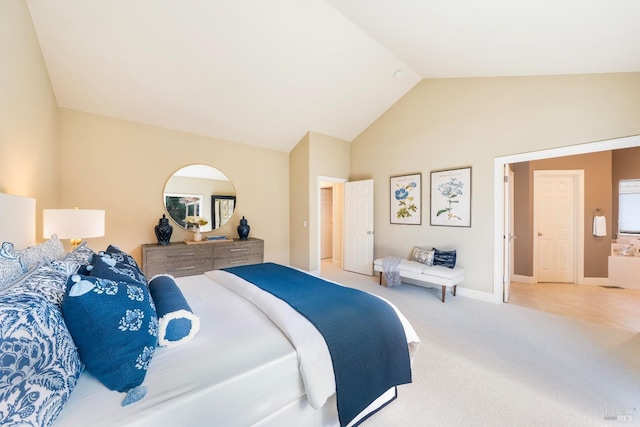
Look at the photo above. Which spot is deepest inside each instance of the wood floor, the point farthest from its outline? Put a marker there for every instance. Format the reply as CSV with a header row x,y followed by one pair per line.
x,y
614,307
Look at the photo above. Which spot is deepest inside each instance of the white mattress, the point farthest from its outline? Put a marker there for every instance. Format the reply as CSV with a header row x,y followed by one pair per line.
x,y
247,372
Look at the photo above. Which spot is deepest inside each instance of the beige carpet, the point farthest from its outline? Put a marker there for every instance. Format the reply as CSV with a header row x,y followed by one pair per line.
x,y
482,364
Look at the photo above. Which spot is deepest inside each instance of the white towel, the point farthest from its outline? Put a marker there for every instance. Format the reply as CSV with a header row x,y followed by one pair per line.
x,y
599,225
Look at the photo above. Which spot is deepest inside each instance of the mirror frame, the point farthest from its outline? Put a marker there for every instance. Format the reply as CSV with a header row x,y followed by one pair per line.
x,y
215,219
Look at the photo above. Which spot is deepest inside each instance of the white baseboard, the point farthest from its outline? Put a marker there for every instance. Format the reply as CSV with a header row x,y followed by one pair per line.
x,y
522,279
472,293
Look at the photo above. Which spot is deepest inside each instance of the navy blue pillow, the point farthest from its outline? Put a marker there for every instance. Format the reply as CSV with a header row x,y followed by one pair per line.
x,y
122,257
115,328
446,258
177,324
109,268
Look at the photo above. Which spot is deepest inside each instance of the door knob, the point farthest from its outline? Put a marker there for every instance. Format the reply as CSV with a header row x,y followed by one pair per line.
x,y
539,234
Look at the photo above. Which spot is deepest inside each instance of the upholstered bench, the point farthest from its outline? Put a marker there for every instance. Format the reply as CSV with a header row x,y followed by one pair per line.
x,y
424,275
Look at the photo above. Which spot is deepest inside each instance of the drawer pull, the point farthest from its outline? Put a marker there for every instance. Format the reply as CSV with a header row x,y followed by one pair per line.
x,y
180,255
238,262
238,250
180,268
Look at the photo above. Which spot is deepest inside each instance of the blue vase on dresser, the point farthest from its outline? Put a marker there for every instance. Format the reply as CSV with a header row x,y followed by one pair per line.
x,y
243,229
163,231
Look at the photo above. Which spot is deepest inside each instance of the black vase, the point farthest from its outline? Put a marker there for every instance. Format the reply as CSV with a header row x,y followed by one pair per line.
x,y
243,229
163,231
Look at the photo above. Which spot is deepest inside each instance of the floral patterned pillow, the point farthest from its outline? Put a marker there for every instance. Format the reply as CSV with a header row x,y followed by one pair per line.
x,y
422,255
115,327
10,270
39,366
51,250
47,281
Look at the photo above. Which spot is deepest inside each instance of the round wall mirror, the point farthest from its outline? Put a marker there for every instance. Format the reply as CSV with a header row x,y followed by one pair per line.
x,y
199,190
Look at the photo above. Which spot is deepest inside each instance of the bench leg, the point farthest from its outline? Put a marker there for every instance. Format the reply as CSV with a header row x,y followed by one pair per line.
x,y
444,288
381,278
454,290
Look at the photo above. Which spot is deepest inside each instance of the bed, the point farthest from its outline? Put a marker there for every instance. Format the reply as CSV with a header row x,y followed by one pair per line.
x,y
240,369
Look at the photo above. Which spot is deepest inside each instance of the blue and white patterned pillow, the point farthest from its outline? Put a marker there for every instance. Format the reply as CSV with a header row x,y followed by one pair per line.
x,y
51,250
39,363
109,268
81,254
10,270
115,327
46,280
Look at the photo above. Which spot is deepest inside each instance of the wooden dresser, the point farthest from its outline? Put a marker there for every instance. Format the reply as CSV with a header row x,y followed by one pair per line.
x,y
179,259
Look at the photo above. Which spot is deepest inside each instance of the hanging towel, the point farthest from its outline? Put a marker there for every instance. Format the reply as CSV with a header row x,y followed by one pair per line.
x,y
599,225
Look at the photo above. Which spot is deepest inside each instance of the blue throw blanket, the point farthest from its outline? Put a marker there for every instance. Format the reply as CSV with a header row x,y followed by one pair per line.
x,y
364,336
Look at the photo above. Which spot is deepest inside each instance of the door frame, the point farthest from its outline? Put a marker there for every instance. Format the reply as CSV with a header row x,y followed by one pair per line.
x,y
335,180
498,193
578,225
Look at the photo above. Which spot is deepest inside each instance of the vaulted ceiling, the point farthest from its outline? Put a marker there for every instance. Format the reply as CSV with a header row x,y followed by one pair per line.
x,y
264,72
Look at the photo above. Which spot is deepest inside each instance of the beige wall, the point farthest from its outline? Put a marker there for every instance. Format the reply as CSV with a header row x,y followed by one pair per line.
x,y
122,167
299,203
448,123
29,151
316,155
597,194
328,157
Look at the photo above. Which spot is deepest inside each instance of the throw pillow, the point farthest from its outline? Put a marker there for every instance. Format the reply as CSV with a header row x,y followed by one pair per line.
x,y
39,366
81,254
127,260
177,324
115,328
45,280
51,250
446,258
10,266
424,256
108,268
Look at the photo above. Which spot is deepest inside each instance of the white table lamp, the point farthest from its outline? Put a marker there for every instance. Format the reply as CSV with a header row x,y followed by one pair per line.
x,y
75,224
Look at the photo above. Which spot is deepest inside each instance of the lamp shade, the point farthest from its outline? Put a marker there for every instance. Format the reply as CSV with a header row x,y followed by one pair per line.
x,y
72,223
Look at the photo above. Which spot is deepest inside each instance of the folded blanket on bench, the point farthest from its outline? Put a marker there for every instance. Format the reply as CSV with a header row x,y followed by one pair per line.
x,y
390,266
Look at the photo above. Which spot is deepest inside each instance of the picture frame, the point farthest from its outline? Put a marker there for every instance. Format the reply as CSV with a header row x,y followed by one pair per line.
x,y
451,197
222,207
406,199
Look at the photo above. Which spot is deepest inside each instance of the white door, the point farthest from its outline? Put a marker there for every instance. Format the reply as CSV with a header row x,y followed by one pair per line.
x,y
326,223
554,226
358,226
508,233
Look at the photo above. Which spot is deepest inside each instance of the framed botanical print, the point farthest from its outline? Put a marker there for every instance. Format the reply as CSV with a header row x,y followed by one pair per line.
x,y
406,199
451,197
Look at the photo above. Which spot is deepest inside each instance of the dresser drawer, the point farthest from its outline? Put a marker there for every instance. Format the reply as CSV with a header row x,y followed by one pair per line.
x,y
178,253
239,249
176,259
219,263
179,268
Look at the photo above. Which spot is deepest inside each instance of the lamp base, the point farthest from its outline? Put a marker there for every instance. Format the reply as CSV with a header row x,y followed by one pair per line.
x,y
75,243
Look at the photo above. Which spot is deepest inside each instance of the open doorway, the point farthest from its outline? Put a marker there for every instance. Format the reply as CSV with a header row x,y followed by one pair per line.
x,y
501,257
330,220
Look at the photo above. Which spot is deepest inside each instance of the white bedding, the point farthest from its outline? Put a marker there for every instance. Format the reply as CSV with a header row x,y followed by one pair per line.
x,y
247,372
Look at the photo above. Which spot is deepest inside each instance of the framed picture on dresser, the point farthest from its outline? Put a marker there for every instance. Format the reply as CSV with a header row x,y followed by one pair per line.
x,y
222,209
